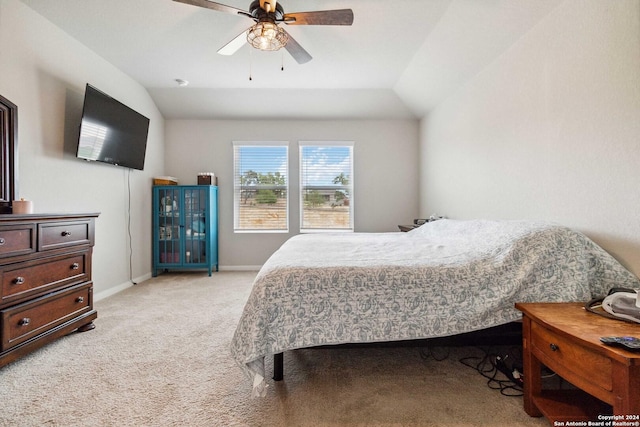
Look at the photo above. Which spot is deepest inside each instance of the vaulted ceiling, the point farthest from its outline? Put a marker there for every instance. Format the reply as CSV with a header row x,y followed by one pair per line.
x,y
399,59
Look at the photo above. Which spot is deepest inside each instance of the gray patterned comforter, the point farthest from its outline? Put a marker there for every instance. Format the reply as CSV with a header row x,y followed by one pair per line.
x,y
444,278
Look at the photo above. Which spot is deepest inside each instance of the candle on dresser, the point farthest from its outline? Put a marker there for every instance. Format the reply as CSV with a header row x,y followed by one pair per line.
x,y
22,206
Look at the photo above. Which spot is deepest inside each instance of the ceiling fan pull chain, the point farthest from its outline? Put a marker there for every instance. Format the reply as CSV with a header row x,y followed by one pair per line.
x,y
282,63
250,66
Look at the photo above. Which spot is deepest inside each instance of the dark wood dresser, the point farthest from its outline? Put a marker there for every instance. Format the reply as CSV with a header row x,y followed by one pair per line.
x,y
45,277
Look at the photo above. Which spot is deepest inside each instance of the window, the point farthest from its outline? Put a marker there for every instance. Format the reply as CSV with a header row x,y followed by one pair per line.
x,y
261,186
326,184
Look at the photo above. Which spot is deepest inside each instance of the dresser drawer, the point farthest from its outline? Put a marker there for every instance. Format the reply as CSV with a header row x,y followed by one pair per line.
x,y
570,359
31,278
17,240
25,321
56,235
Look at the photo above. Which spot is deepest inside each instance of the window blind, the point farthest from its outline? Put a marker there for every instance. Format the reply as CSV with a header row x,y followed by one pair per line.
x,y
261,186
326,185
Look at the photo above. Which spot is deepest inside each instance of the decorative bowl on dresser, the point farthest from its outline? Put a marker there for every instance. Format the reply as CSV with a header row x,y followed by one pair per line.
x,y
45,277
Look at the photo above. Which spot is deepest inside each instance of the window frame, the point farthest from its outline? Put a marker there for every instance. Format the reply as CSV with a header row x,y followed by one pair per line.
x,y
351,146
237,195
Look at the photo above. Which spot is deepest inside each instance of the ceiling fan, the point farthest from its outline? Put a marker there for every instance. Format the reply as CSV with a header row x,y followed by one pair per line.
x,y
266,34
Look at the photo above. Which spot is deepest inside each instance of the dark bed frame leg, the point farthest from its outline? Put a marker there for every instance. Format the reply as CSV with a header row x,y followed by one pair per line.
x,y
278,366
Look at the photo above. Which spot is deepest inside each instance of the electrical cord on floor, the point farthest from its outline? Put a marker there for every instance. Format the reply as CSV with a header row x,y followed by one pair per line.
x,y
503,369
492,367
427,353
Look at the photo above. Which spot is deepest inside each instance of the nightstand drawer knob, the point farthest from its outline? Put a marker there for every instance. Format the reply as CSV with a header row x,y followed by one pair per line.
x,y
2,240
80,299
66,233
554,347
18,280
75,266
24,321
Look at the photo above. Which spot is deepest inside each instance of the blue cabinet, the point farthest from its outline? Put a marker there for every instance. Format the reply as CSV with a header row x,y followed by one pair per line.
x,y
185,227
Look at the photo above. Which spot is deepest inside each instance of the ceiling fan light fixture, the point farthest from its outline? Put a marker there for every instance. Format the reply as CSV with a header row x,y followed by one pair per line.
x,y
267,35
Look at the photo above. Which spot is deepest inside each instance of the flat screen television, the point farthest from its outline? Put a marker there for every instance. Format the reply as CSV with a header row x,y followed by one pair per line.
x,y
111,132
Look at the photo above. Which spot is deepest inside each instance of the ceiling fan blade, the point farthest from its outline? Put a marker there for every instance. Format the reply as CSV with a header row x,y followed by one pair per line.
x,y
322,17
235,44
215,6
299,54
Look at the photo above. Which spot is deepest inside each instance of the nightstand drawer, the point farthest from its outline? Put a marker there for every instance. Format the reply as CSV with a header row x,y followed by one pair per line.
x,y
25,321
17,240
44,275
64,234
568,357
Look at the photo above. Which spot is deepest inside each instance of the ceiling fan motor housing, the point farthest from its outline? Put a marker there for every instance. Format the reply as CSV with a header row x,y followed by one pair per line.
x,y
262,15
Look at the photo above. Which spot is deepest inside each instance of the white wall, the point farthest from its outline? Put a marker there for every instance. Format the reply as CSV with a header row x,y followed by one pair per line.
x,y
550,130
44,72
385,169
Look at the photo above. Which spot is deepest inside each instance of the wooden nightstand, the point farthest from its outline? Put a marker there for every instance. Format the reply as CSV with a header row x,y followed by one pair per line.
x,y
566,338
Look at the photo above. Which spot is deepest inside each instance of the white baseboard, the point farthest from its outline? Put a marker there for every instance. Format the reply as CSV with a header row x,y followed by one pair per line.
x,y
111,291
116,289
142,278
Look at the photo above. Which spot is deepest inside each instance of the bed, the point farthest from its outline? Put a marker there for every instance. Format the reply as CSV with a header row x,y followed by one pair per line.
x,y
444,278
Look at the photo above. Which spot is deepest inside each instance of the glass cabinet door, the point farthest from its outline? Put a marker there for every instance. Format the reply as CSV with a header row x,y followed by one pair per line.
x,y
195,210
168,233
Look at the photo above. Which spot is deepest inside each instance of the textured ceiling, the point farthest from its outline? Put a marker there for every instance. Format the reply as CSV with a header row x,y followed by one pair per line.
x,y
397,60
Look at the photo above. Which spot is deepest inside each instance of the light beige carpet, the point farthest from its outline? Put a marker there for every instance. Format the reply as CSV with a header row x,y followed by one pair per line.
x,y
159,357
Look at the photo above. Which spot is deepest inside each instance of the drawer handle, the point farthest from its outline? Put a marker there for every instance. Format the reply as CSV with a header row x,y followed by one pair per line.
x,y
1,240
66,233
24,321
75,266
18,280
80,299
554,347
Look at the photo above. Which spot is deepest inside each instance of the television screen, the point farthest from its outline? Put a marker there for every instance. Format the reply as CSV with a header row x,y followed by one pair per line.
x,y
111,132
